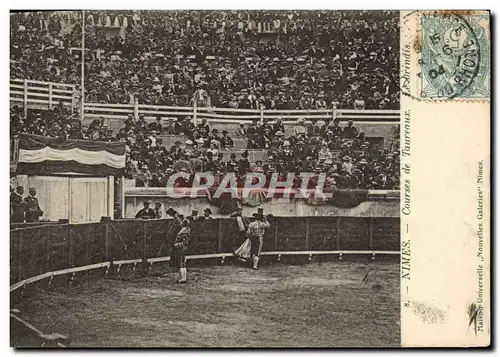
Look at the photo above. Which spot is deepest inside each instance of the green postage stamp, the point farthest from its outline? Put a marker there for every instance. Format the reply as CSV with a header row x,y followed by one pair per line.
x,y
455,59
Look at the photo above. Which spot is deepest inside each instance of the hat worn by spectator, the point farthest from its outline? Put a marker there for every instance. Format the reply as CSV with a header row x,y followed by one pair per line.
x,y
207,210
170,211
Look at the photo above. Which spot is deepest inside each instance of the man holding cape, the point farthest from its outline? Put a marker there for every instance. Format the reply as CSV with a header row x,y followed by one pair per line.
x,y
252,247
243,252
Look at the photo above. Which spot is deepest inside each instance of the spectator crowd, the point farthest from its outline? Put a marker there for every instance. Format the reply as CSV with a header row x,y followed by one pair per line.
x,y
234,59
342,152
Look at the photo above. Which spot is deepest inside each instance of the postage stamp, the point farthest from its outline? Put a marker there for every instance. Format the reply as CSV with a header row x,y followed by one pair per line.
x,y
455,58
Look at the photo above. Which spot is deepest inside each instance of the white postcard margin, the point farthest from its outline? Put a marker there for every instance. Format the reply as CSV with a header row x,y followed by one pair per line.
x,y
445,209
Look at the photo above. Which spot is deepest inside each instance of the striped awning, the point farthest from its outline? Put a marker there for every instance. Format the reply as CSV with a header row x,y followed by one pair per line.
x,y
42,155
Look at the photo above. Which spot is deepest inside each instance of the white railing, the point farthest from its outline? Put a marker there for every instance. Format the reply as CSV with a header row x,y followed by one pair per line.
x,y
47,94
41,94
238,116
150,261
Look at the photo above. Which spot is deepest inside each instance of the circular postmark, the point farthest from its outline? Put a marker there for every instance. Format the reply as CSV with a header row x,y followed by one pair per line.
x,y
450,56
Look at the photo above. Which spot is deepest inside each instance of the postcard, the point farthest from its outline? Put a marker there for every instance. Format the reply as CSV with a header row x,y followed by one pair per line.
x,y
250,178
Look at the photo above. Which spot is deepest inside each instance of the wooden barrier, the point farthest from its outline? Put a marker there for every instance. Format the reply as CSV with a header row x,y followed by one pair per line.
x,y
37,94
44,252
238,116
26,335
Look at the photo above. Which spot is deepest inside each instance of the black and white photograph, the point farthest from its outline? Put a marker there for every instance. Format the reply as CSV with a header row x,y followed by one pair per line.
x,y
205,179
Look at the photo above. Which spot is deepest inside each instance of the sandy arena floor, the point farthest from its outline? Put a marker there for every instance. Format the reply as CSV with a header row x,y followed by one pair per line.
x,y
313,305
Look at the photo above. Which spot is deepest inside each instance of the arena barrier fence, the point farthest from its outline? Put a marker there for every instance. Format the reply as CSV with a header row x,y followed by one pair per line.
x,y
47,251
37,94
25,334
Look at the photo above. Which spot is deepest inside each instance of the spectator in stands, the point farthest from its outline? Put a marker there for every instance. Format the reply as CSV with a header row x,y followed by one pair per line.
x,y
193,216
158,210
359,104
17,205
278,126
145,212
207,215
241,130
350,132
122,135
32,211
141,124
203,125
226,141
301,128
156,126
96,124
129,123
153,139
244,164
334,128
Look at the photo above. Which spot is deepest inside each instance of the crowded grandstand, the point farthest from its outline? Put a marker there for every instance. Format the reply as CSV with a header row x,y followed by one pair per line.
x,y
282,127
248,60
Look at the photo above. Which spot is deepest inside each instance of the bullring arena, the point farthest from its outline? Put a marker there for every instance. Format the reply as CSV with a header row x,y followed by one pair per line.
x,y
318,305
322,291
